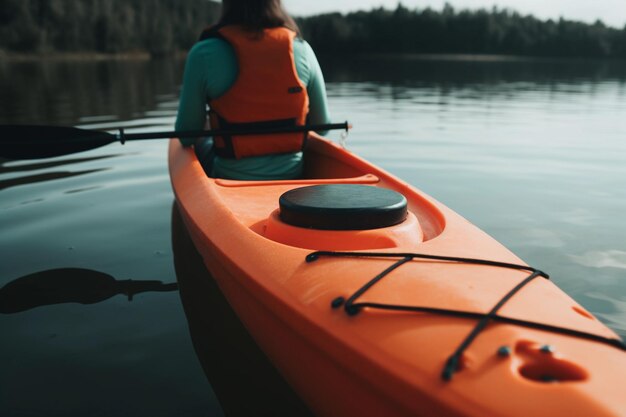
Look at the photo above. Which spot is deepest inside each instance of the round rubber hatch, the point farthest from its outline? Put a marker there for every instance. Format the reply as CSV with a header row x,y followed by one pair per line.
x,y
342,207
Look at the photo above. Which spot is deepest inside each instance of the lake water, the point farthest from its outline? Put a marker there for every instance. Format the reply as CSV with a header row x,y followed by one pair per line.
x,y
533,152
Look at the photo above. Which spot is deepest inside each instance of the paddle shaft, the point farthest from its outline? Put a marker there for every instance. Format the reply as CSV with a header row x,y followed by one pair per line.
x,y
32,142
123,137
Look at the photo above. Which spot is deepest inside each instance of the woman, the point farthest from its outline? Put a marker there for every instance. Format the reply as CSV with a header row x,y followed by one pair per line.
x,y
244,69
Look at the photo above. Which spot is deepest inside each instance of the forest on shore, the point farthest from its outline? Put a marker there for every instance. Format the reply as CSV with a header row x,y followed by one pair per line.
x,y
104,26
428,31
164,26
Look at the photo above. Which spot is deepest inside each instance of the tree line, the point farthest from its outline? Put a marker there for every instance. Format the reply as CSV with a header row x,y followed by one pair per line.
x,y
163,26
495,31
107,26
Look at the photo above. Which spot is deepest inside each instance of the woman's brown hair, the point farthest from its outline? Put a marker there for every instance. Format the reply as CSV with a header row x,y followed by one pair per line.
x,y
256,15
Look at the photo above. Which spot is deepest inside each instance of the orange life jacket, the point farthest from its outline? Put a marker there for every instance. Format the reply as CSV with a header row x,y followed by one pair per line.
x,y
266,93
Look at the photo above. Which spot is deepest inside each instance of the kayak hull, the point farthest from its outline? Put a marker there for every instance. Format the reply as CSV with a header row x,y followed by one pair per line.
x,y
342,393
389,363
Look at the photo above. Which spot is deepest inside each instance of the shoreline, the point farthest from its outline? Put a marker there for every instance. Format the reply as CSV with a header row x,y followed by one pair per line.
x,y
147,56
486,58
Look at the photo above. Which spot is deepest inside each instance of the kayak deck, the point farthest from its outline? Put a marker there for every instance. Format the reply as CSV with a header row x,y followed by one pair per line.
x,y
389,361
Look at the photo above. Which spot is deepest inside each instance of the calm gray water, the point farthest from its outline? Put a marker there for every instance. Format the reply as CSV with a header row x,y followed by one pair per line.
x,y
533,152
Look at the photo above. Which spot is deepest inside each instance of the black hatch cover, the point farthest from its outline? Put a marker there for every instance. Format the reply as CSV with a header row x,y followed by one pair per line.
x,y
342,207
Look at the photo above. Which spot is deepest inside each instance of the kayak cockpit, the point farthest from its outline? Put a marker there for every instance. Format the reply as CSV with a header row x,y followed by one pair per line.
x,y
331,169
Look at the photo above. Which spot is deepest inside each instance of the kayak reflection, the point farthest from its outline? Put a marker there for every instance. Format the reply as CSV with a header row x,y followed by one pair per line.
x,y
244,380
70,285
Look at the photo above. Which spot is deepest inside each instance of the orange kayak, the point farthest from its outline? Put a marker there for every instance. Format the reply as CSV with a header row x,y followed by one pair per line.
x,y
373,299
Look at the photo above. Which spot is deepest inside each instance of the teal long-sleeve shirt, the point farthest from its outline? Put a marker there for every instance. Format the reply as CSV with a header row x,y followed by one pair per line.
x,y
211,69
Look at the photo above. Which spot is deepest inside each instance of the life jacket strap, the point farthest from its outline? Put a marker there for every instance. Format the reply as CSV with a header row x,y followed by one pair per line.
x,y
224,145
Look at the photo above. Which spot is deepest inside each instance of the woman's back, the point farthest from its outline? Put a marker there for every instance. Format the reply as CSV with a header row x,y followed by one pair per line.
x,y
211,70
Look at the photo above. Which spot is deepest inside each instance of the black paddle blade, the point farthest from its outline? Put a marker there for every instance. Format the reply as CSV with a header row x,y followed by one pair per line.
x,y
34,142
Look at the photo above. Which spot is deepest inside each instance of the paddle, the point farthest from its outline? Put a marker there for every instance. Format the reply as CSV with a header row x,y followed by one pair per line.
x,y
33,142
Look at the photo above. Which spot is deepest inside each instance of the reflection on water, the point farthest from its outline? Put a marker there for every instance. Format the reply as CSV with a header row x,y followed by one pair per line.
x,y
111,357
48,176
242,377
70,285
63,93
467,70
532,152
33,166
